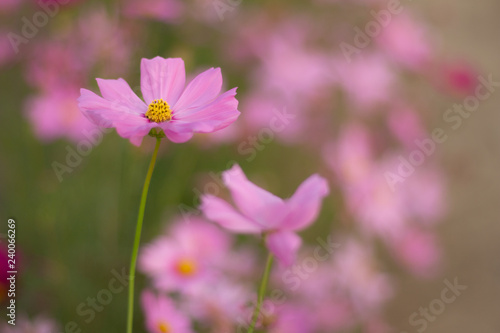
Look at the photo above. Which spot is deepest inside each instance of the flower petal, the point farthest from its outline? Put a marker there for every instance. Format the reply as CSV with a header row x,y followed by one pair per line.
x,y
219,211
106,113
284,245
261,206
162,78
178,137
203,89
218,114
305,204
119,92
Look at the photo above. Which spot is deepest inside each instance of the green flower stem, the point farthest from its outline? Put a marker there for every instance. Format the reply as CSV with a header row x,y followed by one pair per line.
x,y
262,292
137,240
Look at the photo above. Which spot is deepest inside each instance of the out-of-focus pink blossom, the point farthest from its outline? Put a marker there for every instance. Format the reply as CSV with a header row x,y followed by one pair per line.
x,y
266,115
290,318
101,40
357,275
424,195
418,251
9,5
55,115
378,209
302,72
457,78
406,41
367,81
188,257
177,110
221,302
259,211
24,325
168,11
162,316
405,124
350,156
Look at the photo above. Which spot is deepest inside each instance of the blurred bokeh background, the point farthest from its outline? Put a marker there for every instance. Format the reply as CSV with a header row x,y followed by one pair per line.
x,y
355,115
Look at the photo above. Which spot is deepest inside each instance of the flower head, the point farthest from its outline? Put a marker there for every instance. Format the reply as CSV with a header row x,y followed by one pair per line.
x,y
177,110
162,316
259,211
187,257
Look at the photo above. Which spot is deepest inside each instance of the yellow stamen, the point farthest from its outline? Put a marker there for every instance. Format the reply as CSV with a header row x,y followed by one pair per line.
x,y
159,111
164,327
186,267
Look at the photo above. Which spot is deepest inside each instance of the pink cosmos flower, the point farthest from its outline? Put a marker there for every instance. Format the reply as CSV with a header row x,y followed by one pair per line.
x,y
187,257
259,211
55,114
177,110
162,316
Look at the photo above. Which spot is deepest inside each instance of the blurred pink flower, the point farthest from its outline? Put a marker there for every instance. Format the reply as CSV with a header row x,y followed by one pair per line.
x,y
350,156
96,40
55,115
368,81
458,78
418,251
291,318
406,125
220,302
162,316
259,211
357,275
264,113
39,324
163,10
406,41
378,210
179,111
9,5
187,257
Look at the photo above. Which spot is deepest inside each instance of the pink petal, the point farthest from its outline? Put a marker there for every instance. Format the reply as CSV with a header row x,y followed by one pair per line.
x,y
220,113
148,300
284,245
305,204
106,113
178,137
221,212
119,92
162,78
136,140
261,206
203,89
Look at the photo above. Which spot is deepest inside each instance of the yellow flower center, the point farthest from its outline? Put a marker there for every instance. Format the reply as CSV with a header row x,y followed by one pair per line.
x,y
159,111
186,267
164,327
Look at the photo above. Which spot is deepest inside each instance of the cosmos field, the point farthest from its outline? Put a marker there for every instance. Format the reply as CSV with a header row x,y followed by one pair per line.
x,y
216,166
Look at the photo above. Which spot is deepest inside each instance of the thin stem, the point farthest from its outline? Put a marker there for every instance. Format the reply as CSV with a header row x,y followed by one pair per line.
x,y
137,240
262,292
